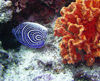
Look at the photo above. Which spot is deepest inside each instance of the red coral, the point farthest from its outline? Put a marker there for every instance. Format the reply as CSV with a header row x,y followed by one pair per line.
x,y
79,26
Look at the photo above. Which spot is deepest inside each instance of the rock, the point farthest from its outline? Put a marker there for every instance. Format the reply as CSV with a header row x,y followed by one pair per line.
x,y
5,11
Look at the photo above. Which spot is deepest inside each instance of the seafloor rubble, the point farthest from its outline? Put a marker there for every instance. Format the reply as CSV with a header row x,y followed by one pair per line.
x,y
42,64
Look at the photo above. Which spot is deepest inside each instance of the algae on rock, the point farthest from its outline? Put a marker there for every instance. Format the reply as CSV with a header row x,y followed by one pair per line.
x,y
5,11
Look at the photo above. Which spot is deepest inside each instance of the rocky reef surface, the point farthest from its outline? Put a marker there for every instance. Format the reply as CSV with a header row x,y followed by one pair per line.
x,y
5,10
42,64
45,64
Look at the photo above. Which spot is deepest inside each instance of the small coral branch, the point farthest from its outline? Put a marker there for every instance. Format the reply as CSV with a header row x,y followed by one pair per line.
x,y
79,27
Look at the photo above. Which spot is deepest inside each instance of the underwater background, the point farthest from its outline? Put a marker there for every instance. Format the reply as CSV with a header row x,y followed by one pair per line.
x,y
49,40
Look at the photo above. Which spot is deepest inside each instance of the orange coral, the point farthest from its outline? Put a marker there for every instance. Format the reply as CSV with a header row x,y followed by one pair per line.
x,y
79,27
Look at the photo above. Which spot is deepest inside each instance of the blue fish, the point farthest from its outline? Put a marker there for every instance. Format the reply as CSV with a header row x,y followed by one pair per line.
x,y
31,34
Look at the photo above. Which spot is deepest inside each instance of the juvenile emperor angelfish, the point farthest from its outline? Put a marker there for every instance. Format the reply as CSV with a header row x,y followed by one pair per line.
x,y
31,34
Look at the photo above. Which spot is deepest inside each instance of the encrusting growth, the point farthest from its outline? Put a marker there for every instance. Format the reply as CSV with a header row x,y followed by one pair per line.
x,y
79,27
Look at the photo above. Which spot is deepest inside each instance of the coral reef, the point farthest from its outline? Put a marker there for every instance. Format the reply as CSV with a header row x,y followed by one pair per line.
x,y
38,65
36,10
85,73
5,60
5,10
42,64
4,57
21,4
79,27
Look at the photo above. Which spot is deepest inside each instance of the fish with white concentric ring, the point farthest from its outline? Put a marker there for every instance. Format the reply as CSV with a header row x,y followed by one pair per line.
x,y
31,34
